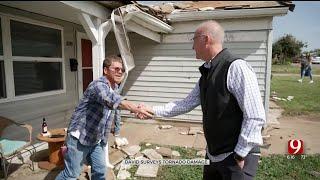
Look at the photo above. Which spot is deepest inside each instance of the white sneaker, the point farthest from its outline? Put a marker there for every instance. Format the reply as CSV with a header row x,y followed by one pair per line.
x,y
118,141
311,82
300,80
109,165
125,141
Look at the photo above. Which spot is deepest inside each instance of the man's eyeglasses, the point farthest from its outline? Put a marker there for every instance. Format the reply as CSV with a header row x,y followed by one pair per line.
x,y
117,69
192,39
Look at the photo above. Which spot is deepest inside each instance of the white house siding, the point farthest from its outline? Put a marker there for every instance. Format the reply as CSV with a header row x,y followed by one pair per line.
x,y
168,71
57,109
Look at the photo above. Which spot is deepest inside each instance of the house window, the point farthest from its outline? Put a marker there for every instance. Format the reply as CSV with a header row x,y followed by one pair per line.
x,y
35,77
37,58
2,75
35,41
31,59
2,81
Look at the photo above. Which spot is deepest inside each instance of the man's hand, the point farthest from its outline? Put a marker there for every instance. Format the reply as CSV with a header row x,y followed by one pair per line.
x,y
239,160
141,113
145,110
240,163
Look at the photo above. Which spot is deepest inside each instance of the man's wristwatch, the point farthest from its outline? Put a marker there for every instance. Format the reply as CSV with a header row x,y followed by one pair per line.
x,y
238,157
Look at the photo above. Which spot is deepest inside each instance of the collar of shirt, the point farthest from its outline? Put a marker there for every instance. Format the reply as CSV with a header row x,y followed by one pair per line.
x,y
207,64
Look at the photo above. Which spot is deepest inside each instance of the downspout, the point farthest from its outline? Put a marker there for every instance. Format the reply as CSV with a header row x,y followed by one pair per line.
x,y
121,48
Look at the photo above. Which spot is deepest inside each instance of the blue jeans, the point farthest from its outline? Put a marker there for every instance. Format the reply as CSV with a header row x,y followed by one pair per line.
x,y
307,71
75,156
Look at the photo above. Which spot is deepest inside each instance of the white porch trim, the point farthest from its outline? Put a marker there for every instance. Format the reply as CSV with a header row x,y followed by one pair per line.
x,y
89,27
96,54
94,33
90,8
135,20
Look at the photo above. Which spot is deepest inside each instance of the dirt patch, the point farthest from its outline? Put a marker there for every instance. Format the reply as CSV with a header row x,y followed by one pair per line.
x,y
304,127
311,117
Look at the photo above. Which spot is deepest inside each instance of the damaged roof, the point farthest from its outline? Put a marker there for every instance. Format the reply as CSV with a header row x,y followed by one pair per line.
x,y
113,4
160,11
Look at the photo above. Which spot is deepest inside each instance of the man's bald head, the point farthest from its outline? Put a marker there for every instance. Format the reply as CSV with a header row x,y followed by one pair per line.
x,y
213,29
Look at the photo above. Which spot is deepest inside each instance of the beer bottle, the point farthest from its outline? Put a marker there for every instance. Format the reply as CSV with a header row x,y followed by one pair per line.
x,y
44,126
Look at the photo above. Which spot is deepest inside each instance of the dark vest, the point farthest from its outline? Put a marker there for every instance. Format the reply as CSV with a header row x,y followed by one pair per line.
x,y
222,116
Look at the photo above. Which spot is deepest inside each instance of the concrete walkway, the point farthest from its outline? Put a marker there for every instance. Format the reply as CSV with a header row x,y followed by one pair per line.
x,y
150,132
286,74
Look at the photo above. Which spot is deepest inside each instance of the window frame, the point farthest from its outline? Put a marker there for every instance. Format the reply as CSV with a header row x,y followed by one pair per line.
x,y
9,59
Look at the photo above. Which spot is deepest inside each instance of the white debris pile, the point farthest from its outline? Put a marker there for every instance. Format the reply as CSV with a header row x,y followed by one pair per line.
x,y
165,126
119,142
274,97
120,159
192,131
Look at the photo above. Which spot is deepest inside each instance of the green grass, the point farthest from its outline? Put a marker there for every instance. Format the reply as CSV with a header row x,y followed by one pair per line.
x,y
292,69
271,167
173,172
306,96
279,167
177,172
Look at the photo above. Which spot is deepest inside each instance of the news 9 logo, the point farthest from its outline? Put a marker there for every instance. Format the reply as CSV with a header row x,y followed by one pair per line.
x,y
295,146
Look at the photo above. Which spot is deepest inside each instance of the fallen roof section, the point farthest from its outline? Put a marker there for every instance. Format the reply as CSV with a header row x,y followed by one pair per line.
x,y
142,23
196,10
113,4
135,14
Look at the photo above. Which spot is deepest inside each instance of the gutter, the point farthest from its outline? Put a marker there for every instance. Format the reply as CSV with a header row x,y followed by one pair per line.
x,y
124,47
144,19
118,21
226,14
148,21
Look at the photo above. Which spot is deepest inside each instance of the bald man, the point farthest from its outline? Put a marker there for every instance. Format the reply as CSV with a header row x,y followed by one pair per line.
x,y
233,113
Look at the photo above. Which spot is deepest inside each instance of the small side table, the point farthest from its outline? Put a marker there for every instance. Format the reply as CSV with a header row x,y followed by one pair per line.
x,y
55,142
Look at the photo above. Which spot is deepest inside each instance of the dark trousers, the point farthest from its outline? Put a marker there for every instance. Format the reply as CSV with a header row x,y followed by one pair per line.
x,y
228,169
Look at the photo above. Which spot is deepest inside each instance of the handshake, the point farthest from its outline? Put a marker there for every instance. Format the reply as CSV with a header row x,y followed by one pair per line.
x,y
144,112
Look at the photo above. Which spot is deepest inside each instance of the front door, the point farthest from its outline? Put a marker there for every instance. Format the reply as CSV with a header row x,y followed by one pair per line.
x,y
85,73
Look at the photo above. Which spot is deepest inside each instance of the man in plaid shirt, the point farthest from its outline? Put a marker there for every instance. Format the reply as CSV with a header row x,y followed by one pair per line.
x,y
87,130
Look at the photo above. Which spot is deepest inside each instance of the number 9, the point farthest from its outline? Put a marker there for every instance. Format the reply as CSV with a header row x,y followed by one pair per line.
x,y
297,147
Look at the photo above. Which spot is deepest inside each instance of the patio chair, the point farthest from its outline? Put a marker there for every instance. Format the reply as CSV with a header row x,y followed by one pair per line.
x,y
9,147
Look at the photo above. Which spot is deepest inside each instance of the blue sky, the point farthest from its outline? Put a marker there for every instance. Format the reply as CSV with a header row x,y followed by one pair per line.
x,y
303,23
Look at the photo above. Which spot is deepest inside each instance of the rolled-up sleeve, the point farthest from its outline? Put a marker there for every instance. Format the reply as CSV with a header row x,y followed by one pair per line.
x,y
111,99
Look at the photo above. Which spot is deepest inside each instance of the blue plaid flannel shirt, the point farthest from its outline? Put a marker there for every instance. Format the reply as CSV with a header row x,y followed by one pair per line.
x,y
91,117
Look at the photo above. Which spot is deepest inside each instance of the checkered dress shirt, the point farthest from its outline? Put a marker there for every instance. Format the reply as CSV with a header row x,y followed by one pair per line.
x,y
243,84
92,116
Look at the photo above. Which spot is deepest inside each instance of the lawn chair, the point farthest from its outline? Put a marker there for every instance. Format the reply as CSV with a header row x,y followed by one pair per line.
x,y
10,148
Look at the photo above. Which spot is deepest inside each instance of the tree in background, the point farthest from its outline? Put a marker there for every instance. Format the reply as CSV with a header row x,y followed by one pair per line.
x,y
286,48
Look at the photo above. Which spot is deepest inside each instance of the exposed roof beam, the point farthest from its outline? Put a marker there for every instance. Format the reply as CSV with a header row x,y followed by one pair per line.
x,y
106,27
89,7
